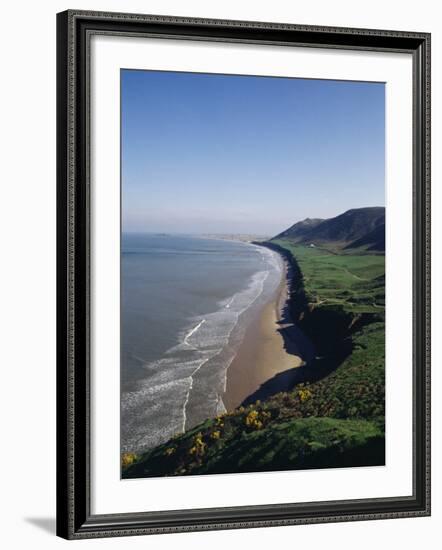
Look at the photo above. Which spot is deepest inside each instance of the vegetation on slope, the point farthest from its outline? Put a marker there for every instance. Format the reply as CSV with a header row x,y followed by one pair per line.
x,y
335,418
352,280
229,444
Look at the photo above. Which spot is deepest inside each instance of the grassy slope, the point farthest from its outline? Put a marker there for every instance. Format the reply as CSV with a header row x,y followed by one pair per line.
x,y
337,420
354,281
350,288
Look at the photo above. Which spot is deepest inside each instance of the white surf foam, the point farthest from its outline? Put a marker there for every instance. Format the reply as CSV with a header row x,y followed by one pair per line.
x,y
186,338
157,410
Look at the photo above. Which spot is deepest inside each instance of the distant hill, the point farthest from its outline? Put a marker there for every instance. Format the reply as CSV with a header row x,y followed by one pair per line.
x,y
299,230
354,228
375,240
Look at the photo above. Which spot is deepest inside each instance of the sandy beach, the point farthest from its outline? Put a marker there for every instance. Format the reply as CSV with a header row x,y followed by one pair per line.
x,y
272,345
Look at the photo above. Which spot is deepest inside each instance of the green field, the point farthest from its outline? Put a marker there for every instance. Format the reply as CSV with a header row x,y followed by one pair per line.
x,y
355,281
335,417
344,304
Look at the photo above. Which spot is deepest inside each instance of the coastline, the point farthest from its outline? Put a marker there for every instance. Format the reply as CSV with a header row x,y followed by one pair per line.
x,y
272,345
344,353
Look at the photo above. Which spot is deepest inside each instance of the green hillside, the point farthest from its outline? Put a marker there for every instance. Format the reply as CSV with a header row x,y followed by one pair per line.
x,y
353,280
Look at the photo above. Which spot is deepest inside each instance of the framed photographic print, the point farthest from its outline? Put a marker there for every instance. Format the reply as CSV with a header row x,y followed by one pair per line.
x,y
243,274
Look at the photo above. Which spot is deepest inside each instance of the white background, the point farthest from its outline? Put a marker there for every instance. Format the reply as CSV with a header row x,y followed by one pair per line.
x,y
27,217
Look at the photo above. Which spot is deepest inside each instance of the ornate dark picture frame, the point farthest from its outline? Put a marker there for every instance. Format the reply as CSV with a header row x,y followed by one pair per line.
x,y
74,518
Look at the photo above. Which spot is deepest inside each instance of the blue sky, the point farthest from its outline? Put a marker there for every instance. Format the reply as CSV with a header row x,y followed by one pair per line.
x,y
206,153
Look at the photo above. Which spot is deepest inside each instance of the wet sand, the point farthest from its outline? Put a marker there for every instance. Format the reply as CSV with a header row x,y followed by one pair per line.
x,y
271,345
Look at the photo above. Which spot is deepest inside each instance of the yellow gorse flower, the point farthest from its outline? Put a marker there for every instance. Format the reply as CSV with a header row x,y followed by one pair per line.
x,y
256,419
128,458
304,394
199,447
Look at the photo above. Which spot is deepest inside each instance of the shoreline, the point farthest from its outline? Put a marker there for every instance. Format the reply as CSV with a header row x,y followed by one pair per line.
x,y
271,350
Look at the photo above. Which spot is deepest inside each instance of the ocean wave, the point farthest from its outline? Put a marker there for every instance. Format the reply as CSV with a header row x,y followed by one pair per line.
x,y
192,331
158,408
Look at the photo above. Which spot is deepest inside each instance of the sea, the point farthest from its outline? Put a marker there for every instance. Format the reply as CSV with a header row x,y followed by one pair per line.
x,y
186,302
